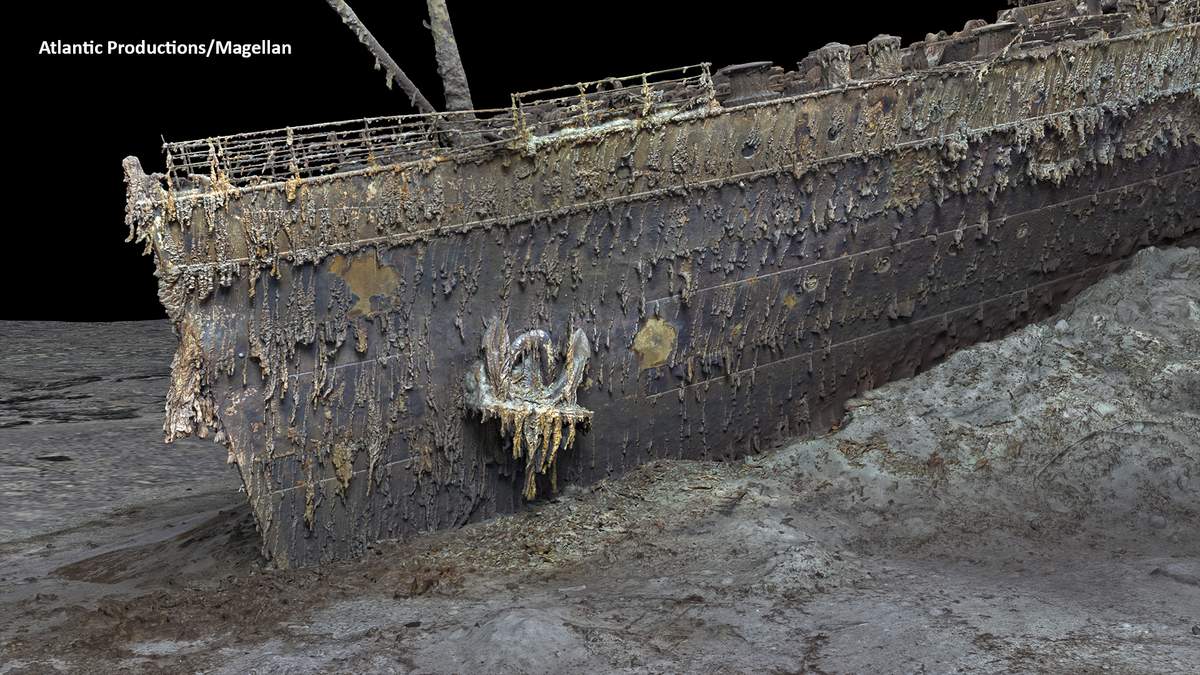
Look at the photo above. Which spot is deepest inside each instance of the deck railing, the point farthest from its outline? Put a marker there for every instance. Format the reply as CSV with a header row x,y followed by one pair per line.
x,y
320,149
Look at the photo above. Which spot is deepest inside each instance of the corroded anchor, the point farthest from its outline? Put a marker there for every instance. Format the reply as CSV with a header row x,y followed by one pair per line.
x,y
516,383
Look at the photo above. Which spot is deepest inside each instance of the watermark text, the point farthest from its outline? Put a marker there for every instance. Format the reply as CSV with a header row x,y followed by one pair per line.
x,y
210,49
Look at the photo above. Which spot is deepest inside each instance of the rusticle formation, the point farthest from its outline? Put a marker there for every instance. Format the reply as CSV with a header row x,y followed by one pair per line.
x,y
732,254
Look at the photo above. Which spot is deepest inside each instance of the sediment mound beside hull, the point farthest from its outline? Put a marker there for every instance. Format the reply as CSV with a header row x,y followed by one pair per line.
x,y
740,254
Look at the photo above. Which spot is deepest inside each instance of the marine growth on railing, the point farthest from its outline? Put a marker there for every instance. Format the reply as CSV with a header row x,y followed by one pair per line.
x,y
299,152
569,111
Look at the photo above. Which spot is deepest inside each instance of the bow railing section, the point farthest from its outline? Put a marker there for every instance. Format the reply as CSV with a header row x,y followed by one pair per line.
x,y
293,153
584,105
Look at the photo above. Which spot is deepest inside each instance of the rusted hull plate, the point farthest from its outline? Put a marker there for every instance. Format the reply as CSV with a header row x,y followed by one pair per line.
x,y
737,276
738,365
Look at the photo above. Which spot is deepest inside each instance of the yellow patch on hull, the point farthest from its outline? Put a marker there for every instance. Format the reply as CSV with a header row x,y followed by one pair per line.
x,y
654,343
366,279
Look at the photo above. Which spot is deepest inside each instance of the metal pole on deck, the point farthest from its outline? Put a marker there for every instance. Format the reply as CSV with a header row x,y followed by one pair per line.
x,y
450,67
383,59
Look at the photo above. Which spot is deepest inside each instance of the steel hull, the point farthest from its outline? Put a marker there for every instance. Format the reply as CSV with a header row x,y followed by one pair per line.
x,y
740,273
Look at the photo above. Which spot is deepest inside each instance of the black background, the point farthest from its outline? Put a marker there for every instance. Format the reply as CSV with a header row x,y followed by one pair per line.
x,y
73,118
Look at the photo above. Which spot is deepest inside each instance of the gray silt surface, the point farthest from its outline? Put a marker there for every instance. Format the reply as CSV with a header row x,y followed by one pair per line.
x,y
81,425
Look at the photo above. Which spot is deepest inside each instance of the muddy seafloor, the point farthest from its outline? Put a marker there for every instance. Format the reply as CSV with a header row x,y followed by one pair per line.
x,y
1031,504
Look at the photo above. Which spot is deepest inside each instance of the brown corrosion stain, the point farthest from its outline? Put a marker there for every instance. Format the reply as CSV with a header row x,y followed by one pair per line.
x,y
654,343
343,463
366,278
